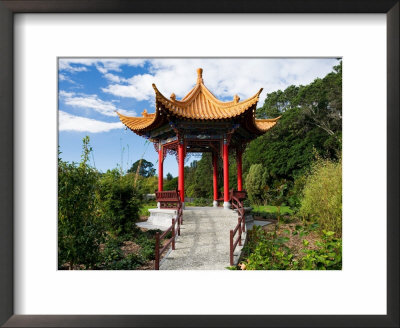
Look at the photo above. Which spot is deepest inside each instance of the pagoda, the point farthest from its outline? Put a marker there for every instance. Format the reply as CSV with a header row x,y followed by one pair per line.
x,y
199,123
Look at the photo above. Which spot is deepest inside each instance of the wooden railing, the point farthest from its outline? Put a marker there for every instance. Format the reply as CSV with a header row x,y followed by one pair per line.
x,y
237,198
158,251
172,198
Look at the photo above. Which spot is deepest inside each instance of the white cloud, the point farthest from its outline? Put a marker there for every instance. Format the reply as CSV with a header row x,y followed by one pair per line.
x,y
224,77
63,77
66,66
68,122
103,65
138,87
114,78
80,100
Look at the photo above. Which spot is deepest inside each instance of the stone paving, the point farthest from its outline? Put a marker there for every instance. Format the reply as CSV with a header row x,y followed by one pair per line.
x,y
204,240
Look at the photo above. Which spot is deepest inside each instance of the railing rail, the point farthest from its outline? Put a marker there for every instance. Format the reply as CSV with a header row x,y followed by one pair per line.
x,y
175,227
240,227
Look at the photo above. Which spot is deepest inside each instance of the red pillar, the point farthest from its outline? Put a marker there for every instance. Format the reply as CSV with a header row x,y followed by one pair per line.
x,y
160,168
239,169
215,177
181,171
226,174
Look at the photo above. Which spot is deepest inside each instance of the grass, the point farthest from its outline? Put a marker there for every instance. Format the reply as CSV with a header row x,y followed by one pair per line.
x,y
271,209
144,210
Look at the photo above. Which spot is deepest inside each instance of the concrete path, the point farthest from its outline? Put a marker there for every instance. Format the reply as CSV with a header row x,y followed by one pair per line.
x,y
204,240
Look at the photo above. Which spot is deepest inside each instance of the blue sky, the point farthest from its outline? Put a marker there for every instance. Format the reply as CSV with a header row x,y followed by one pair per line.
x,y
92,89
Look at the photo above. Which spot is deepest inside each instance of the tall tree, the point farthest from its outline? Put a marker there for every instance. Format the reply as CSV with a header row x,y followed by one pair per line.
x,y
146,168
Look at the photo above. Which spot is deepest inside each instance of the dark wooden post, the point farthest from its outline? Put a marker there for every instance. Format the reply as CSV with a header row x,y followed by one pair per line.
x,y
173,234
157,255
244,219
231,247
240,230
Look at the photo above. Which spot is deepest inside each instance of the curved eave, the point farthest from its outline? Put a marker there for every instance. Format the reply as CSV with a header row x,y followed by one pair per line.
x,y
139,125
201,104
263,125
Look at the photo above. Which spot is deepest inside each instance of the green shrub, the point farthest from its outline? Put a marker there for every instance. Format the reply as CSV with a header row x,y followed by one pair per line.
x,y
328,255
112,258
266,251
255,184
201,202
79,224
322,201
119,201
147,242
295,194
171,184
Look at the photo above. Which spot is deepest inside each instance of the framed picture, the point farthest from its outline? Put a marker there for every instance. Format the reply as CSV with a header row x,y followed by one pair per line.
x,y
35,292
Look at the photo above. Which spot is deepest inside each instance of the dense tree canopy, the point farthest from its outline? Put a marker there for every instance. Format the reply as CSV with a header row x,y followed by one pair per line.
x,y
310,123
146,168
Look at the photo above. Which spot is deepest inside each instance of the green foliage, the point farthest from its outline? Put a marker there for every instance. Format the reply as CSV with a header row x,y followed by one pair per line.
x,y
169,176
119,202
328,255
295,194
277,195
256,184
322,201
199,178
79,224
311,123
146,168
267,251
146,185
113,259
171,184
98,211
202,202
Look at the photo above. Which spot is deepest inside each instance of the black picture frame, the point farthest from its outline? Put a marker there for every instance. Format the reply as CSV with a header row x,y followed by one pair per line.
x,y
7,10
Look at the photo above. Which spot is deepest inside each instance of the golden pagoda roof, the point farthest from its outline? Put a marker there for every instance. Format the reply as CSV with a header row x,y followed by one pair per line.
x,y
266,124
198,104
201,104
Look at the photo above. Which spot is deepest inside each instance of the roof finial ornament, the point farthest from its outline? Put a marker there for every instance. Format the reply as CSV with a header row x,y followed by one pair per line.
x,y
144,113
199,75
172,96
236,99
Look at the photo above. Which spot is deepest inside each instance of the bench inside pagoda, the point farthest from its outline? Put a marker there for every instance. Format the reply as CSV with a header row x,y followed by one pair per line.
x,y
168,199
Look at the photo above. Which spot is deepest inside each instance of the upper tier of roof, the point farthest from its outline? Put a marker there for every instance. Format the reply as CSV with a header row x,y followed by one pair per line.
x,y
201,104
198,104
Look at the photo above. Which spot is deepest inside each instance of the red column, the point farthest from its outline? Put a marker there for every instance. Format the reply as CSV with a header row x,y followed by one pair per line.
x,y
226,174
160,168
181,171
215,176
239,169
